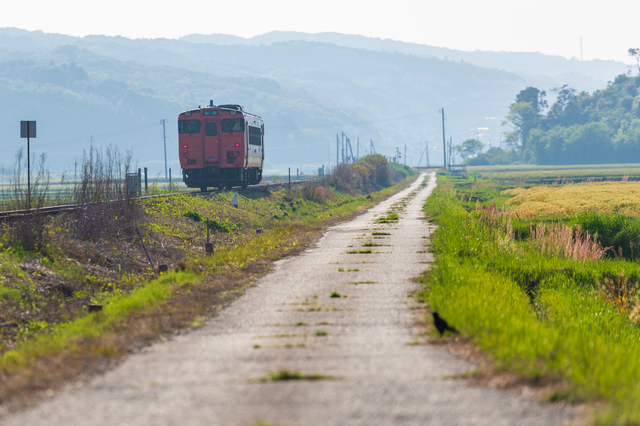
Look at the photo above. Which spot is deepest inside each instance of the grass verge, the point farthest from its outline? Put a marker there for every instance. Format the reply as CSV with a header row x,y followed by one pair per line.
x,y
537,315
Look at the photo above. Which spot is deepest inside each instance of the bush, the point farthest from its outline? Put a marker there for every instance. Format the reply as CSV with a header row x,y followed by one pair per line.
x,y
615,231
29,232
400,172
104,205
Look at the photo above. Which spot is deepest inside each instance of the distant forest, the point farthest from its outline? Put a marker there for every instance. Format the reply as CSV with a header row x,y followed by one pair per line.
x,y
578,128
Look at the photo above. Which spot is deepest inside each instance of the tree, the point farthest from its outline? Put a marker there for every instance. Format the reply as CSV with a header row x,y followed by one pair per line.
x,y
469,148
635,54
534,97
556,114
524,117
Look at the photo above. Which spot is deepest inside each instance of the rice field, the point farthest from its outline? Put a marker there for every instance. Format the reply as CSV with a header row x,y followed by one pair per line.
x,y
567,200
556,174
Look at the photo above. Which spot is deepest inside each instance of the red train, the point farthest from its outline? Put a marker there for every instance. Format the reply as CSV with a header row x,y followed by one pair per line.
x,y
221,146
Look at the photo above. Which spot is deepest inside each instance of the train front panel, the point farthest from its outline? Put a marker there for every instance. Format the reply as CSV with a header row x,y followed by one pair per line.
x,y
220,147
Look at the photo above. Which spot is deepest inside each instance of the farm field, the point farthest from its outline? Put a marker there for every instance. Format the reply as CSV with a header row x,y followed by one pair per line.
x,y
555,174
567,200
551,293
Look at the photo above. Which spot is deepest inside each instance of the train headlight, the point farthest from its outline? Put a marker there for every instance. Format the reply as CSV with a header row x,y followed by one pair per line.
x,y
237,145
184,146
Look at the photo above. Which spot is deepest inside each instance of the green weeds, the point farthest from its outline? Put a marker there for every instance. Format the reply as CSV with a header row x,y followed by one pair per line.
x,y
360,251
537,314
286,375
389,218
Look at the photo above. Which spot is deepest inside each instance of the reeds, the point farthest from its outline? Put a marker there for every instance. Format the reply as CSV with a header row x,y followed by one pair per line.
x,y
564,241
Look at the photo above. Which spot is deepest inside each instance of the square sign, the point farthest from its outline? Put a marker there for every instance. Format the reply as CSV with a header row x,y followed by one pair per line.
x,y
27,129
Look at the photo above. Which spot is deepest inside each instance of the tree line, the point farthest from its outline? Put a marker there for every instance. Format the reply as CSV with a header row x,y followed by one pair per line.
x,y
578,128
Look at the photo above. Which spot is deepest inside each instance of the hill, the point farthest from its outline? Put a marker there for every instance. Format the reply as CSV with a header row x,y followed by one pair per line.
x,y
307,91
539,69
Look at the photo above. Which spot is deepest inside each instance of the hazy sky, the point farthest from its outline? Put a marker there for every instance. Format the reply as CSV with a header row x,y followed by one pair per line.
x,y
608,28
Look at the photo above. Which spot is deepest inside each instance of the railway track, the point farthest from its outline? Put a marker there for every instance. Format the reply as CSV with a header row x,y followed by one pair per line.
x,y
53,210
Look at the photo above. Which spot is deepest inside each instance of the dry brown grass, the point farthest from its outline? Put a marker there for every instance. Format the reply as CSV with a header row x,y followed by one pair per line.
x,y
564,241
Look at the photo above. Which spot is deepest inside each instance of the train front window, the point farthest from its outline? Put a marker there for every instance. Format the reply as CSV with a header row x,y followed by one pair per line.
x,y
188,126
232,125
211,129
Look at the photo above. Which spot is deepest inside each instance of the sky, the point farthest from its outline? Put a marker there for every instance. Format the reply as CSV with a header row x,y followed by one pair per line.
x,y
608,29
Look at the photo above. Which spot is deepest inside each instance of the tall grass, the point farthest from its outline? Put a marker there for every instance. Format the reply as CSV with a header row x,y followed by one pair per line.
x,y
564,241
537,312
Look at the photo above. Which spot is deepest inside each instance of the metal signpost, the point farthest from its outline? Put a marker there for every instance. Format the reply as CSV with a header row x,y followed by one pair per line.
x,y
28,130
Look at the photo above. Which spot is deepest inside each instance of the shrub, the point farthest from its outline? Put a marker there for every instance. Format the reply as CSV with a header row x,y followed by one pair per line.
x,y
618,232
30,232
104,205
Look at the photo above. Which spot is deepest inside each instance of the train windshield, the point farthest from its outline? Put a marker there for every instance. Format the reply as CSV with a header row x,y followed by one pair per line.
x,y
188,126
232,125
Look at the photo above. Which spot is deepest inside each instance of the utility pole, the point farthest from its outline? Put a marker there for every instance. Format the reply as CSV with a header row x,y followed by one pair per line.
x,y
337,149
405,154
444,141
164,137
350,150
427,149
420,160
343,135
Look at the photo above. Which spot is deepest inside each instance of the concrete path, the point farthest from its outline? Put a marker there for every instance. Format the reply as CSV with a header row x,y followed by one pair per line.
x,y
210,376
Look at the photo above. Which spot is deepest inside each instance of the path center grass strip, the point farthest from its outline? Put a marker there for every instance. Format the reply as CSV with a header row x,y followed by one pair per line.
x,y
536,314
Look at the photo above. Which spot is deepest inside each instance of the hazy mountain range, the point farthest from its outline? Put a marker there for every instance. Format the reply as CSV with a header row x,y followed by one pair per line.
x,y
307,87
